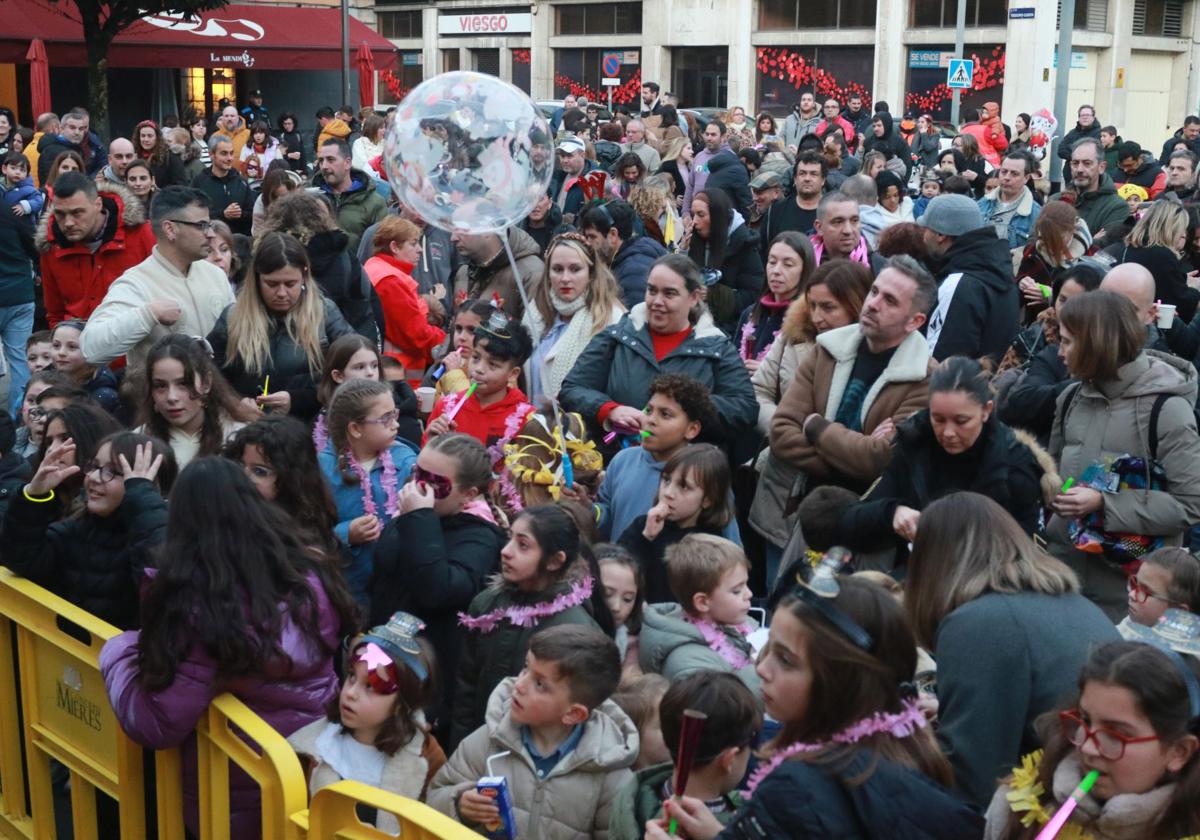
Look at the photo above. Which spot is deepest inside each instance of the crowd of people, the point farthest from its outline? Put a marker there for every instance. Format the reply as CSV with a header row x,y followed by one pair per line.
x,y
857,441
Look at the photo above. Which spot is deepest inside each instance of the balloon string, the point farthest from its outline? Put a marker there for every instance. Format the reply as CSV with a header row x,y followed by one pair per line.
x,y
525,302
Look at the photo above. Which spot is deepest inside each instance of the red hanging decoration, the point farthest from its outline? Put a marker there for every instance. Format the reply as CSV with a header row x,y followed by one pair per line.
x,y
989,73
623,95
789,65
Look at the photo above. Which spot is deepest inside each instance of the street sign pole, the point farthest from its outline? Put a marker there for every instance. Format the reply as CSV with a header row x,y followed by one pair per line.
x,y
960,30
1066,26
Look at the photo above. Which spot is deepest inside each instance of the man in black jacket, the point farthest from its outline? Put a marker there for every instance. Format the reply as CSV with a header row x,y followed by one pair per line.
x,y
1087,126
609,230
1188,136
978,304
798,209
230,198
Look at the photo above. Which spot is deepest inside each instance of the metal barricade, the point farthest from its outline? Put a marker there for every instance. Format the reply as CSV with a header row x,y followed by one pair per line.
x,y
333,815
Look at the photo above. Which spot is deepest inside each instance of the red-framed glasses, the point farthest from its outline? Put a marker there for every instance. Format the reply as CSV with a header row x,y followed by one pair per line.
x,y
1111,745
1139,593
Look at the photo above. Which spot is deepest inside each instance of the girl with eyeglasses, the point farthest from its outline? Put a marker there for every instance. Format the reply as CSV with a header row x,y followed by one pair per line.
x,y
365,466
1135,721
1168,578
185,400
439,551
94,560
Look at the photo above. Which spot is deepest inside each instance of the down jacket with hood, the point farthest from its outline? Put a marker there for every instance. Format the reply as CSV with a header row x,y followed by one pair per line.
x,y
1105,420
619,365
495,277
989,133
357,208
631,266
742,272
574,799
978,308
727,172
291,691
1068,144
343,281
671,645
1101,207
1005,465
890,144
74,279
1149,176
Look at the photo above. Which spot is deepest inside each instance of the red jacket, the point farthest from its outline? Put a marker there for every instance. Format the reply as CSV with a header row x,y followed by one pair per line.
x,y
487,425
74,280
407,334
848,132
990,135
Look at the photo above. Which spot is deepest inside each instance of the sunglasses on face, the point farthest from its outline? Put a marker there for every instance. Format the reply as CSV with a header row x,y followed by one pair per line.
x,y
1111,745
441,485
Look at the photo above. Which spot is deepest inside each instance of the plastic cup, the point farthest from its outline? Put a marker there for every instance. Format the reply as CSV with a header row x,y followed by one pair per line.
x,y
426,397
1166,315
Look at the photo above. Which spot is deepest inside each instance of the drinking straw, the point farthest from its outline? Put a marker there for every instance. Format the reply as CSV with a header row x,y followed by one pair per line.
x,y
267,385
1063,814
689,737
1067,484
462,402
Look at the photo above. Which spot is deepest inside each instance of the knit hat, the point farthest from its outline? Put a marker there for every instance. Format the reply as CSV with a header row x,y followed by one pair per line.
x,y
952,215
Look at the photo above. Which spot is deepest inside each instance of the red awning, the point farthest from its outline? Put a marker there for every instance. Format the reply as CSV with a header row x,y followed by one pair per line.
x,y
242,37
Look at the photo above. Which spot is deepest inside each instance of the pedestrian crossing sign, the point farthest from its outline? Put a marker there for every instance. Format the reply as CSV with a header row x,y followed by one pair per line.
x,y
959,73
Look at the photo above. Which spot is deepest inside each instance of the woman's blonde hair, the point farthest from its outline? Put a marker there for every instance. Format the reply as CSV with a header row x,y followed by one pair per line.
x,y
672,148
1162,224
603,293
653,196
966,547
250,319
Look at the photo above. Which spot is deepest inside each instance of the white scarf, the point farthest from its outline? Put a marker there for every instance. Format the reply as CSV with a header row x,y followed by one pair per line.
x,y
562,356
567,308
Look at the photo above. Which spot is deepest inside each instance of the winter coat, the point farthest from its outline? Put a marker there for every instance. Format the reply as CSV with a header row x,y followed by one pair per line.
x,y
357,208
574,799
291,141
1109,419
1149,176
1170,277
170,172
890,144
671,645
641,800
548,366
488,658
831,450
1102,207
1068,144
926,147
848,133
239,137
496,277
123,323
1004,465
742,272
727,172
1169,146
292,691
700,165
1029,404
1037,263
17,254
631,266
406,772
777,370
573,199
619,364
29,197
335,129
287,367
990,136
94,562
74,279
797,126
1003,659
342,281
433,567
832,800
364,151
861,120
408,335
1020,224
15,472
274,151
651,554
980,315
93,152
230,188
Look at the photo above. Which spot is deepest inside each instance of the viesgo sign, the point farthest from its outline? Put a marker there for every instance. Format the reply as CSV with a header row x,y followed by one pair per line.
x,y
485,23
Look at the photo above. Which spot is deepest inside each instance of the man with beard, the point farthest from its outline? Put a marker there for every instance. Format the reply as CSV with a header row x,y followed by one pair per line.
x,y
356,203
230,198
609,230
797,211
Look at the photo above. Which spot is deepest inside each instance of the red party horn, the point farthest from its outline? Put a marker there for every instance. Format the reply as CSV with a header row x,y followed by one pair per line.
x,y
689,737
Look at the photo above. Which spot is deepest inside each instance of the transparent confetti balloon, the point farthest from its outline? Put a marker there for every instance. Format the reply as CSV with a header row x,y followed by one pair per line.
x,y
469,152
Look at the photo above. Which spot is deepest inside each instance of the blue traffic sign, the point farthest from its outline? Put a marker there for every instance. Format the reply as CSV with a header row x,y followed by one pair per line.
x,y
960,73
610,64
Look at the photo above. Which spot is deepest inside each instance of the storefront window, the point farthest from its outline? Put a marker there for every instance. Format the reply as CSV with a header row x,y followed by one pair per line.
x,y
398,25
821,14
521,76
926,82
599,19
577,71
450,61
786,72
943,13
486,61
204,87
394,85
700,76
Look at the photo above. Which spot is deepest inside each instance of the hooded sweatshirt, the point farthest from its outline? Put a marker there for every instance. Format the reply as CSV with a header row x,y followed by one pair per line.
x,y
978,304
889,144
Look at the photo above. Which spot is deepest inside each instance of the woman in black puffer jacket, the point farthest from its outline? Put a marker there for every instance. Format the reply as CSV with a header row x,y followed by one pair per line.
x,y
720,240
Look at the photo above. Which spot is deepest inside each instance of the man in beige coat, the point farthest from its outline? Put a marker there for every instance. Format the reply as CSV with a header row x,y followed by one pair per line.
x,y
837,420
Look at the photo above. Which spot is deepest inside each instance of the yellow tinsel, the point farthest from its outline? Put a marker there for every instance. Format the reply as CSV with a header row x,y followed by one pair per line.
x,y
1025,792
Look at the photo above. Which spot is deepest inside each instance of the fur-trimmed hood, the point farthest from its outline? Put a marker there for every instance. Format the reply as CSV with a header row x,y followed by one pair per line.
x,y
797,327
704,327
1051,482
118,201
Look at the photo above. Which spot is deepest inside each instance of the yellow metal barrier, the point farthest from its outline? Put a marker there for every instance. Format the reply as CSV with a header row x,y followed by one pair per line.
x,y
332,815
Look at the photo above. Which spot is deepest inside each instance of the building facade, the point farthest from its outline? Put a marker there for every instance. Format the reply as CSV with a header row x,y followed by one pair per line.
x,y
1132,59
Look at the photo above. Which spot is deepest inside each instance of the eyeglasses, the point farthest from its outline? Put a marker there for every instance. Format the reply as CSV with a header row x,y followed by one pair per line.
x,y
1111,745
107,473
384,419
1139,593
207,226
441,485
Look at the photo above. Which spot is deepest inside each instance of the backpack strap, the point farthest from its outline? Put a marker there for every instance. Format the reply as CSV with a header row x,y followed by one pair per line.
x,y
1073,392
1156,410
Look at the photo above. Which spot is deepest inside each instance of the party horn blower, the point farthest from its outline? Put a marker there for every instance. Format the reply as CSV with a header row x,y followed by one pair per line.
x,y
267,385
689,738
1064,813
462,402
1067,484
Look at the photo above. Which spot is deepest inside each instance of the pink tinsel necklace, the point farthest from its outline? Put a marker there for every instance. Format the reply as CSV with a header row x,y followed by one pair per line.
x,y
529,616
389,482
750,329
900,724
718,641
